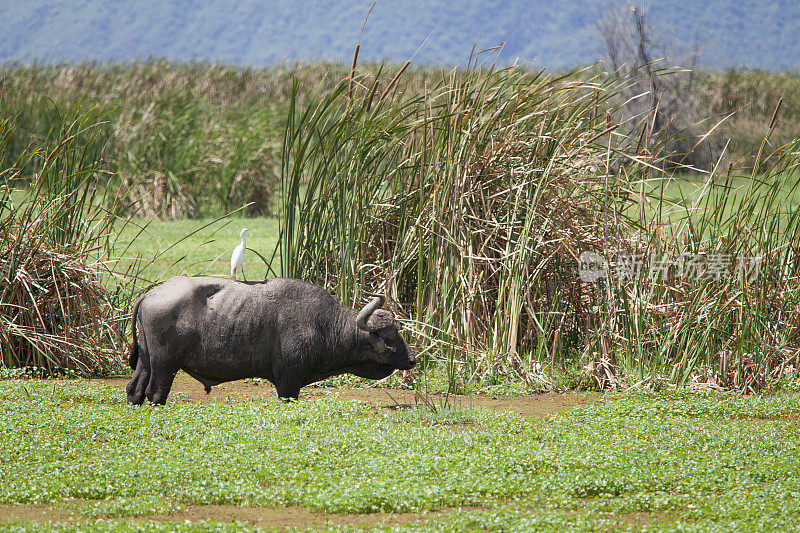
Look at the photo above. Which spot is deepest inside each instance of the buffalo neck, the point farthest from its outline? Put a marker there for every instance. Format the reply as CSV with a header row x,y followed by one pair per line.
x,y
349,346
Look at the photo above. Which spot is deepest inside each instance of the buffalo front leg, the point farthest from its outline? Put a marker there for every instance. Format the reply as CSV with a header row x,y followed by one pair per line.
x,y
288,389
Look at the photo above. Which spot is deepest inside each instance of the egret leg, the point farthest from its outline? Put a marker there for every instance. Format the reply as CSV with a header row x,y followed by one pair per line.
x,y
243,276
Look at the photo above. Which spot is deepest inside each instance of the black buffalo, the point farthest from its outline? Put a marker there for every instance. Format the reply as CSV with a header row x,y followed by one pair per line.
x,y
287,331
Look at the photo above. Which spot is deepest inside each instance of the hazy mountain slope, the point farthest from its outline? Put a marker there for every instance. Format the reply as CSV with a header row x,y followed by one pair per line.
x,y
555,33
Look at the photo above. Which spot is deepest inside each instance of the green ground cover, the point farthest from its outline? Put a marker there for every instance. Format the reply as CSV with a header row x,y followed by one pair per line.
x,y
677,192
671,462
674,461
197,247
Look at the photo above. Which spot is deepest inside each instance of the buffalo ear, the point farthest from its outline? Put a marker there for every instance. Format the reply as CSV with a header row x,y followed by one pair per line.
x,y
380,319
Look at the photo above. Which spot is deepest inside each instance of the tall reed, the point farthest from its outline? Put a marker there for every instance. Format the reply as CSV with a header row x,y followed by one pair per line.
x,y
55,313
721,309
471,200
466,202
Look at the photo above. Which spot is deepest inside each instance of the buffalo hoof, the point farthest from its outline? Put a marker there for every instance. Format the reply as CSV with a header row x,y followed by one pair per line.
x,y
136,400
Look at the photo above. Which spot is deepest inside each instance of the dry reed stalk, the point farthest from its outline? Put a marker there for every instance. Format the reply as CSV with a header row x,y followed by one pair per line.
x,y
55,314
473,200
353,72
394,80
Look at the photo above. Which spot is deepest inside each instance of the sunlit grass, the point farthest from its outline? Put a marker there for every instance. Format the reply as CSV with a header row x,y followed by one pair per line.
x,y
466,196
675,193
198,247
470,204
704,461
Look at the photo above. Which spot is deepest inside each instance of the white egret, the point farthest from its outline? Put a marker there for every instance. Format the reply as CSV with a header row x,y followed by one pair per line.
x,y
237,258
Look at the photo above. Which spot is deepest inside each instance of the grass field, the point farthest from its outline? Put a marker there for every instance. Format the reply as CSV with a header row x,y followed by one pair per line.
x,y
677,192
197,247
338,152
74,453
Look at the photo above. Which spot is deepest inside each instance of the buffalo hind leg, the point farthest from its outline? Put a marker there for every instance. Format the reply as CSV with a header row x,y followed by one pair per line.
x,y
162,388
160,384
139,381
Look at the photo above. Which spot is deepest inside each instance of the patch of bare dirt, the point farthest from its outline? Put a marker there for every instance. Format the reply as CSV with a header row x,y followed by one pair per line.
x,y
292,516
266,517
186,388
34,513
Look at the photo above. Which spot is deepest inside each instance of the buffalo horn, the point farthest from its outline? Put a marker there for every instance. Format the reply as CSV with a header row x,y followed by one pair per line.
x,y
366,312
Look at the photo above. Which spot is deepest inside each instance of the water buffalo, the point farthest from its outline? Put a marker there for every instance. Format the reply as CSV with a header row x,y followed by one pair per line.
x,y
285,330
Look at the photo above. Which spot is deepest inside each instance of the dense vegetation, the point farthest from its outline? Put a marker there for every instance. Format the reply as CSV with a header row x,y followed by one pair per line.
x,y
556,34
471,202
370,166
667,462
200,139
55,246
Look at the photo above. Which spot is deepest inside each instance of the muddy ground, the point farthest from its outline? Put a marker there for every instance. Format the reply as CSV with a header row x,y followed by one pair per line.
x,y
188,389
266,517
270,517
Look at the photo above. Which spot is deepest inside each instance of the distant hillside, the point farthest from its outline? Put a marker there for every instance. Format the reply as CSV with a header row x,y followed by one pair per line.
x,y
556,34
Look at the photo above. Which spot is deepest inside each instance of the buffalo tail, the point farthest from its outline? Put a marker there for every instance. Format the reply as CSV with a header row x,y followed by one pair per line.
x,y
133,355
